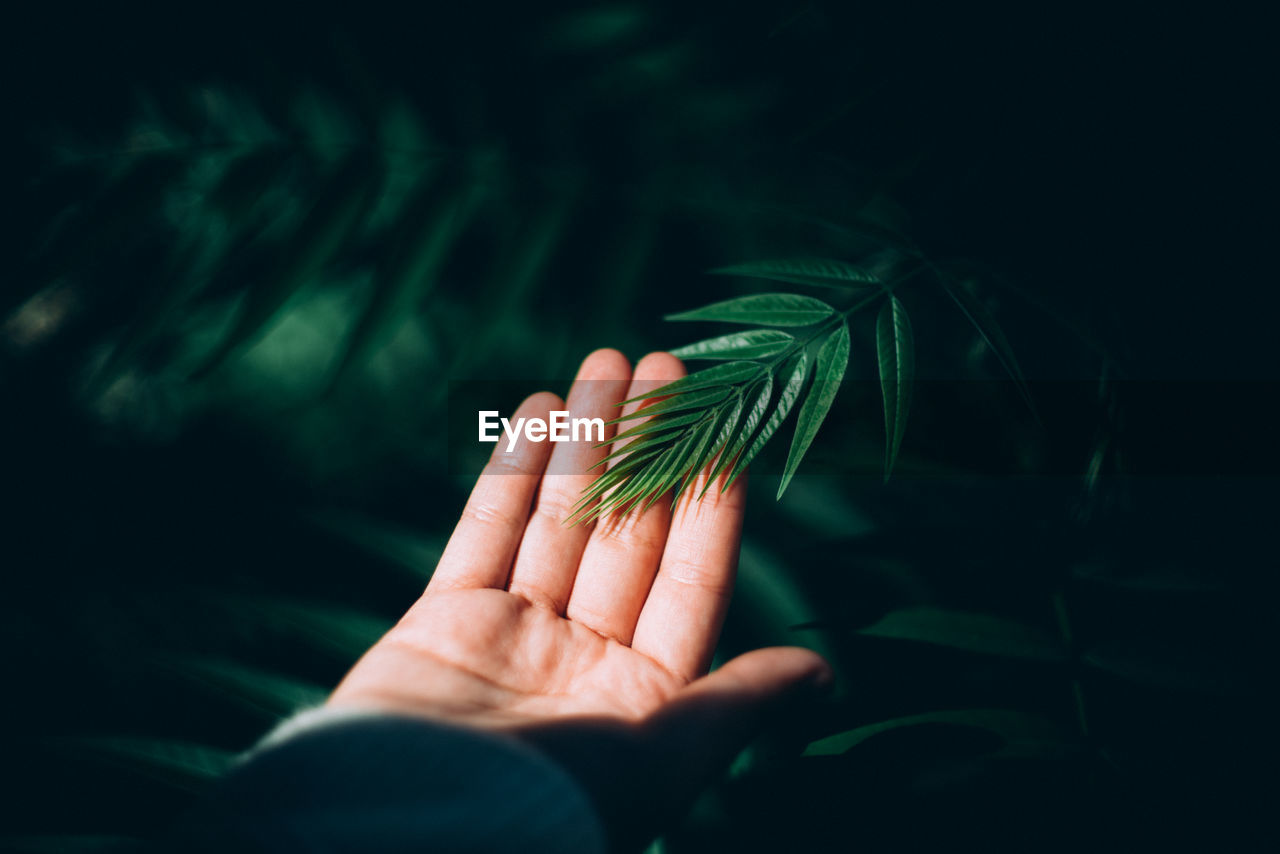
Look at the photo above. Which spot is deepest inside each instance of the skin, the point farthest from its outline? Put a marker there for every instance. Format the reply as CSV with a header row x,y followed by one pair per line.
x,y
591,642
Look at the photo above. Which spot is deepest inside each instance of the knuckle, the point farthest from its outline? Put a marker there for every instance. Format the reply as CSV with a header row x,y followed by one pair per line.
x,y
698,576
489,514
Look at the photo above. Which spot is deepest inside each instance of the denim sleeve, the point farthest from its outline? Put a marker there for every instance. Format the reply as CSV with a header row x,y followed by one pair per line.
x,y
332,781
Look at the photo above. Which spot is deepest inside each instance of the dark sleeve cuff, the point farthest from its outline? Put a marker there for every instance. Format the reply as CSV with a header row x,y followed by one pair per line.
x,y
331,781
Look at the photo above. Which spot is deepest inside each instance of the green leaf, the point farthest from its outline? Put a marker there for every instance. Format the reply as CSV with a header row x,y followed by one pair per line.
x,y
429,230
272,695
702,399
724,430
667,476
734,372
240,190
990,331
619,471
760,396
756,344
896,349
1022,733
833,358
665,421
764,310
343,632
321,235
644,442
981,633
409,551
797,372
817,272
627,480
712,438
181,764
646,483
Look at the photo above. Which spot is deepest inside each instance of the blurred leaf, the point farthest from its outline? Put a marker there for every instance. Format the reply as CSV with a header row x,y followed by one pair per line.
x,y
755,344
239,192
833,358
339,630
321,235
822,273
413,552
763,310
273,695
896,349
181,764
424,238
118,213
979,633
775,599
598,28
990,330
1024,734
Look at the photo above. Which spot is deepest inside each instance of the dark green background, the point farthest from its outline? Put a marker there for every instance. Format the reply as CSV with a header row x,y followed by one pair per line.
x,y
188,557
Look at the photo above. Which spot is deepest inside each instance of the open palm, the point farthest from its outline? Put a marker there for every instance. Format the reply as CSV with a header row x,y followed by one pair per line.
x,y
529,624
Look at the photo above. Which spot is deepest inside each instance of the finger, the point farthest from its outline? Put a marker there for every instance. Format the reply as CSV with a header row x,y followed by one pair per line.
x,y
706,725
623,552
484,543
549,554
682,616
718,713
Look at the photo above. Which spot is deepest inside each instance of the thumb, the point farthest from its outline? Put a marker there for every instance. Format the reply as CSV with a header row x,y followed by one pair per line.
x,y
715,716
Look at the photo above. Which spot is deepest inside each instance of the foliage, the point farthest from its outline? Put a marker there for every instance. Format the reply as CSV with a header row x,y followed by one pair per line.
x,y
723,416
227,342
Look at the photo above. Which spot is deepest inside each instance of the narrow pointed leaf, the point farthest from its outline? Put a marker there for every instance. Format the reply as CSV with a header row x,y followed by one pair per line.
x,y
833,358
980,633
666,421
764,310
704,448
817,272
755,406
645,442
702,399
1018,729
756,344
734,372
612,478
896,349
796,375
620,471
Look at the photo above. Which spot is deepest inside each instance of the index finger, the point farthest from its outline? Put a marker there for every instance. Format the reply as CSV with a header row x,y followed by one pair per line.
x,y
484,543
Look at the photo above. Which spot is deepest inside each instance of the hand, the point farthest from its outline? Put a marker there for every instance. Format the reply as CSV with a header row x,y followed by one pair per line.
x,y
590,641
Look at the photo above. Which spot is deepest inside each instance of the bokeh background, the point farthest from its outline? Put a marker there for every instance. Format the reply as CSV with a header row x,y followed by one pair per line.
x,y
252,254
